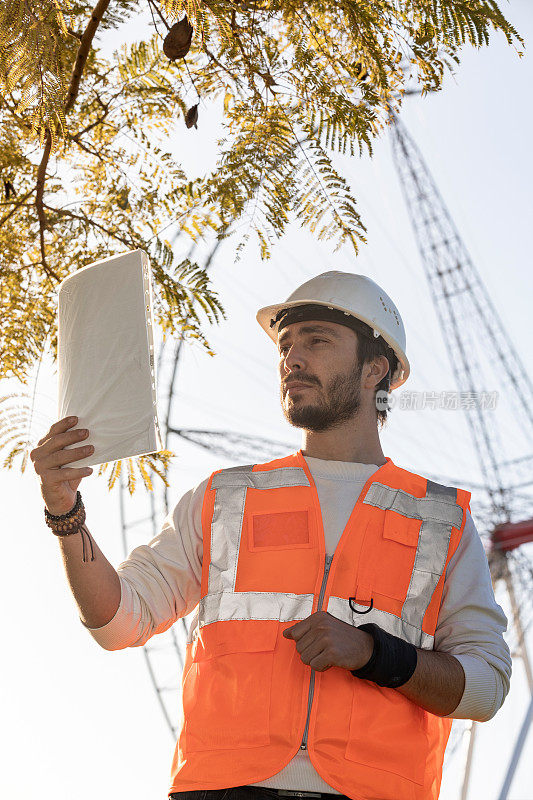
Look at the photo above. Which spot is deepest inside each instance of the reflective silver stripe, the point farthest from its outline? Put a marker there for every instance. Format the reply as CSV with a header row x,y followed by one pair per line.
x,y
231,486
431,551
192,633
438,511
241,468
272,479
226,528
339,607
281,606
440,502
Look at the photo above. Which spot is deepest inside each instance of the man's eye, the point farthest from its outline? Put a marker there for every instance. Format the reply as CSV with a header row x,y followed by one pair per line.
x,y
283,349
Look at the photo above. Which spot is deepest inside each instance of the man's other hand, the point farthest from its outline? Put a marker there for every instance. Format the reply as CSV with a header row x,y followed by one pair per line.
x,y
323,641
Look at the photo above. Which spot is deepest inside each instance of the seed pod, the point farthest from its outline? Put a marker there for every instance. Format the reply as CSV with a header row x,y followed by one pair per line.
x,y
177,42
191,117
123,198
360,71
268,79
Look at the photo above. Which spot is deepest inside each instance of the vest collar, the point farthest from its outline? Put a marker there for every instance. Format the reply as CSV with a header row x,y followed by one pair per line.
x,y
381,474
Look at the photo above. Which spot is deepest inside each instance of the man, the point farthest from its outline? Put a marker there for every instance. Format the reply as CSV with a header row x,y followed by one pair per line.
x,y
345,612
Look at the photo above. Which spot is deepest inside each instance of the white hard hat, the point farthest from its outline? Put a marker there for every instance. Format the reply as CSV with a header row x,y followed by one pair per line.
x,y
354,296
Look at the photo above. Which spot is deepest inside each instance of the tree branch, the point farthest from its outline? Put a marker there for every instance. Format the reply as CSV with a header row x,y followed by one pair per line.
x,y
154,5
81,59
39,194
74,33
16,205
88,127
232,75
88,149
83,51
88,221
251,69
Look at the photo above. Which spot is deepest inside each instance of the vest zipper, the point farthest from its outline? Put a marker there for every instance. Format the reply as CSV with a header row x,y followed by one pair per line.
x,y
303,745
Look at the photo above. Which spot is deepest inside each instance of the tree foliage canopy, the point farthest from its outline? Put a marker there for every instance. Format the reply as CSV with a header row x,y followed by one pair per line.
x,y
85,162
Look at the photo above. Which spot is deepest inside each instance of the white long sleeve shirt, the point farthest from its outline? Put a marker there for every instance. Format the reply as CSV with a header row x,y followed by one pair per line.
x,y
160,583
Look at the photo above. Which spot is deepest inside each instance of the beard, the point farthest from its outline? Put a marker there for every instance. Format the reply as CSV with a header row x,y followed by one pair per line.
x,y
338,402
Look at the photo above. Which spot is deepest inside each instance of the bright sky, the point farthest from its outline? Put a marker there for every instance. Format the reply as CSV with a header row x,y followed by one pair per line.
x,y
82,722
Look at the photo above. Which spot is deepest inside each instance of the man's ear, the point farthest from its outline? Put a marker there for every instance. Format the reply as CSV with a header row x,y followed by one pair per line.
x,y
374,371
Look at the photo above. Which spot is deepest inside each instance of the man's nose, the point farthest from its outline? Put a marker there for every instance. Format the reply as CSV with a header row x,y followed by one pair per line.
x,y
294,359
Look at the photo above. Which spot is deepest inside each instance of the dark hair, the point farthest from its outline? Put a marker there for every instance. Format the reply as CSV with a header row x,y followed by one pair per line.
x,y
368,348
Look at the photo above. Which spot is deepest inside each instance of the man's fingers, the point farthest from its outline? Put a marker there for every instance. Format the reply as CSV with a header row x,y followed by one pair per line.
x,y
316,657
63,424
296,631
35,452
320,663
300,628
60,426
308,640
73,473
58,459
59,441
310,651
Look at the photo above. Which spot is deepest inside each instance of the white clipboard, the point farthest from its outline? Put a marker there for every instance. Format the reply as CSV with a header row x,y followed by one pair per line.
x,y
106,359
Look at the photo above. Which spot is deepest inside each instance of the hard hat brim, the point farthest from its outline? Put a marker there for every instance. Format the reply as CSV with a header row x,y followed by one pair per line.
x,y
267,313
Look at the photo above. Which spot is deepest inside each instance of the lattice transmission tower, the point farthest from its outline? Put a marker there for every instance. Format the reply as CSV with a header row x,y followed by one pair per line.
x,y
477,344
480,351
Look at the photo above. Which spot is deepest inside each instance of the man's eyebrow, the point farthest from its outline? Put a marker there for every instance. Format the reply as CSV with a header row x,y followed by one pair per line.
x,y
311,329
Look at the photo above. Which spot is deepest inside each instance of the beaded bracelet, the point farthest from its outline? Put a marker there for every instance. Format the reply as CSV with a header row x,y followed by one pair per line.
x,y
71,522
64,524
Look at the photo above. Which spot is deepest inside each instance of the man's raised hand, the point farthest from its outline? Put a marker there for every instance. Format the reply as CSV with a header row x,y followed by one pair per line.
x,y
59,485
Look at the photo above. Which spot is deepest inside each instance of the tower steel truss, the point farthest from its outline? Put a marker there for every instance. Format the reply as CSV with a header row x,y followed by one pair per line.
x,y
475,339
467,316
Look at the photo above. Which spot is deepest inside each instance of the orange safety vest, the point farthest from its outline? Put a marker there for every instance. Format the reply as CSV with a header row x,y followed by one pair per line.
x,y
249,702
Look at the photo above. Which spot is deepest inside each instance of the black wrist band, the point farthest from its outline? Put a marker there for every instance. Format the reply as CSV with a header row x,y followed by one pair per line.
x,y
393,660
368,668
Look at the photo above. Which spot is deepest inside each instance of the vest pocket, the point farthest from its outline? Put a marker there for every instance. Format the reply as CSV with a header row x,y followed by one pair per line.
x,y
227,691
279,530
387,732
398,528
393,542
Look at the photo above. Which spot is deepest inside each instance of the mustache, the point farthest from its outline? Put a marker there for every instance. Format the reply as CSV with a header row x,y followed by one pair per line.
x,y
295,381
